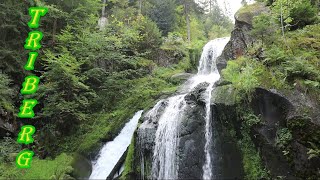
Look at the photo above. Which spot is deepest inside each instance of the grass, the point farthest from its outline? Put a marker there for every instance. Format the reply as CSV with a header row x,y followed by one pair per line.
x,y
252,162
58,168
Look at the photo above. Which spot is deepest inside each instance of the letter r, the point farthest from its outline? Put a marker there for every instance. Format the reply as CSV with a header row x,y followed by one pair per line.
x,y
33,40
24,158
25,135
26,110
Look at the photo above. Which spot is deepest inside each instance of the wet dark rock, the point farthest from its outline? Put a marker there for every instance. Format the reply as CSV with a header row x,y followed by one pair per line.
x,y
228,158
181,77
191,142
277,112
147,130
82,167
197,95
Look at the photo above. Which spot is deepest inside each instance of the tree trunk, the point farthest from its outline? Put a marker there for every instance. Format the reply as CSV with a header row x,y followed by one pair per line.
x,y
140,6
54,31
281,18
186,12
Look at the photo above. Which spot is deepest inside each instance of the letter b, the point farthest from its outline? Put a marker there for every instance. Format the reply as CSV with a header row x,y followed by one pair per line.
x,y
30,85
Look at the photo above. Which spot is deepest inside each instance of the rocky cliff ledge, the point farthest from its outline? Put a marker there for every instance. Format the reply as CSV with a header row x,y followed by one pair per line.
x,y
240,38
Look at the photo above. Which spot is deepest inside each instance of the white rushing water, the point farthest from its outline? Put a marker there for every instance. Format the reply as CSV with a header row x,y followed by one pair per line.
x,y
164,165
208,68
112,151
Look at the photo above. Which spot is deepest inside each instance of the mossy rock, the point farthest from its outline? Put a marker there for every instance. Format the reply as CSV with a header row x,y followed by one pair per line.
x,y
224,95
246,13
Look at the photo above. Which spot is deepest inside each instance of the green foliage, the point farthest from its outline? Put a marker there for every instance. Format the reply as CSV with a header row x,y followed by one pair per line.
x,y
252,162
250,119
244,74
129,164
283,138
55,169
314,151
296,13
6,93
263,27
163,13
8,149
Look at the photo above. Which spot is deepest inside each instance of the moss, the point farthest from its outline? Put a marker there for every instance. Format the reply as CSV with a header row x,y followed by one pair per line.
x,y
246,13
129,164
224,94
252,162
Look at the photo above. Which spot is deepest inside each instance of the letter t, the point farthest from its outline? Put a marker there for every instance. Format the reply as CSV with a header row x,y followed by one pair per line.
x,y
36,13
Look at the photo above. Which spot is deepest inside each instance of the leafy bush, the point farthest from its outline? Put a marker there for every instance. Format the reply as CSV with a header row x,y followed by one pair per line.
x,y
244,74
8,149
250,119
263,27
6,93
252,163
314,151
283,138
303,13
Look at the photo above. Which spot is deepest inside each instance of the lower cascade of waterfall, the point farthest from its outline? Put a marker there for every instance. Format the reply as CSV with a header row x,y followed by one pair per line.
x,y
164,165
112,151
164,161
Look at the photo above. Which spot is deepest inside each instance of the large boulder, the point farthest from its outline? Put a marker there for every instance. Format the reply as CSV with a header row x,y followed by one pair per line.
x,y
240,38
286,131
192,133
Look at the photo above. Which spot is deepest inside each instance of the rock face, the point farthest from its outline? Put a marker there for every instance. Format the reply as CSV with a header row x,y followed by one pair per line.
x,y
289,123
191,155
192,141
287,158
240,38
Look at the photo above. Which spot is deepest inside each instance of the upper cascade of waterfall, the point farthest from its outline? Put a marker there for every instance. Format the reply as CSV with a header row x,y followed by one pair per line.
x,y
211,51
112,151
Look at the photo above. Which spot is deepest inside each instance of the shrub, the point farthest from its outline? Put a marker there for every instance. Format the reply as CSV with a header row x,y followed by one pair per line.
x,y
303,13
283,138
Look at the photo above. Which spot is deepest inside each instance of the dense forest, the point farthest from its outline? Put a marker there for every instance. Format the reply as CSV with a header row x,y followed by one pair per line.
x,y
102,61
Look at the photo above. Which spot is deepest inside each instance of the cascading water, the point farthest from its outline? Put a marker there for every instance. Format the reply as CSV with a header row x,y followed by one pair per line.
x,y
164,165
208,68
112,151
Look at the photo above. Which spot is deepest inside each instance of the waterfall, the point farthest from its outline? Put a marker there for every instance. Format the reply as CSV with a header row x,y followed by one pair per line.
x,y
164,165
112,151
208,70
